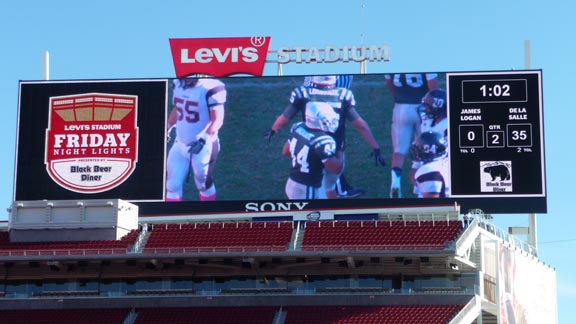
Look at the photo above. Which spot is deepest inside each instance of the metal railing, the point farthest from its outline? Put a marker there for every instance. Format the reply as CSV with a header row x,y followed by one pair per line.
x,y
224,249
63,252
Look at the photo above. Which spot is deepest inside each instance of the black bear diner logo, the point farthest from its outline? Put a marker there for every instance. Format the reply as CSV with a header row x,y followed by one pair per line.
x,y
91,141
496,176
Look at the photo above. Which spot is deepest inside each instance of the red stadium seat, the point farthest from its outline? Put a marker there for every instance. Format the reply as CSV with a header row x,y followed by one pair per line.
x,y
67,247
220,315
225,237
433,314
64,316
383,234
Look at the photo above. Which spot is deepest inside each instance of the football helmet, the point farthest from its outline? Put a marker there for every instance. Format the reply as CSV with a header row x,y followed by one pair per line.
x,y
434,104
324,81
188,82
429,146
320,115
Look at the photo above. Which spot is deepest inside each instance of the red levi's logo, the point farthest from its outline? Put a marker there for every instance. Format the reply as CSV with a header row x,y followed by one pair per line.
x,y
219,57
91,141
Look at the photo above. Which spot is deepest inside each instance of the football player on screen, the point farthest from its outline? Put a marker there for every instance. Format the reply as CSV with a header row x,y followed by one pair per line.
x,y
197,115
433,119
312,150
433,177
407,91
343,188
323,89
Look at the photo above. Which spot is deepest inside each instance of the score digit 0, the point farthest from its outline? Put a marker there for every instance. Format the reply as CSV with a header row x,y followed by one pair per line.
x,y
471,136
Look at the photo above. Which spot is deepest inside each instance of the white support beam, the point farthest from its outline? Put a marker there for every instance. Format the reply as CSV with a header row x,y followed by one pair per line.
x,y
46,66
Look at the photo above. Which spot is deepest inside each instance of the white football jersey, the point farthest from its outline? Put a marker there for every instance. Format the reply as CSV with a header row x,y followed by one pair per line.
x,y
434,177
427,125
193,105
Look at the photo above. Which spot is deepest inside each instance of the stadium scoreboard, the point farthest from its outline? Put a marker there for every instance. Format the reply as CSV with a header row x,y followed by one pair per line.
x,y
107,139
496,133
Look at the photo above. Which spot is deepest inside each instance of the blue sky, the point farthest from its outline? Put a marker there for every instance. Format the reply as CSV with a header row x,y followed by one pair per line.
x,y
129,39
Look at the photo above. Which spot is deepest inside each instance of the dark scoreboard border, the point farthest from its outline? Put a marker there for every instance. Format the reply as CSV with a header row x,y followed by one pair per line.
x,y
145,187
516,205
526,158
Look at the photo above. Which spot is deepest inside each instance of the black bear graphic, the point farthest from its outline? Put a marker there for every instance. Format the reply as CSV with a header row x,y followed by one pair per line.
x,y
499,170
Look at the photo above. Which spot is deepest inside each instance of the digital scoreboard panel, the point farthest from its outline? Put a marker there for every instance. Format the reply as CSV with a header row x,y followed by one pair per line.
x,y
496,132
111,139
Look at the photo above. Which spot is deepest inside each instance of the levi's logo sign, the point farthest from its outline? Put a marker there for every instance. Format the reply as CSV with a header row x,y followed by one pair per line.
x,y
91,141
219,57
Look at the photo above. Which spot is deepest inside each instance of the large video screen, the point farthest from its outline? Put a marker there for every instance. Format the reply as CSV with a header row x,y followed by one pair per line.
x,y
266,144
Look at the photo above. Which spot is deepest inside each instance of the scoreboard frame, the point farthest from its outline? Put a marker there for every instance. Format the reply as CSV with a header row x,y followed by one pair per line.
x,y
498,120
499,169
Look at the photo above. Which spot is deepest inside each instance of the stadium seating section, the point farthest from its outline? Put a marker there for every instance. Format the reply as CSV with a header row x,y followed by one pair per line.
x,y
371,314
8,248
229,237
223,315
64,316
258,236
317,236
282,236
437,314
379,235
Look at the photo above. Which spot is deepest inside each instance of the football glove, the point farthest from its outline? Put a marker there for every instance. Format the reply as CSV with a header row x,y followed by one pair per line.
x,y
196,146
268,135
378,159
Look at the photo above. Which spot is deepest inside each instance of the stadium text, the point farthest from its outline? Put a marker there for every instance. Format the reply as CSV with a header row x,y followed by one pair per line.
x,y
331,54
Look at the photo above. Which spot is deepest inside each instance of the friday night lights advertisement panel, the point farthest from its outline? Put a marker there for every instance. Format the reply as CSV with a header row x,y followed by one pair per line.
x,y
91,140
250,172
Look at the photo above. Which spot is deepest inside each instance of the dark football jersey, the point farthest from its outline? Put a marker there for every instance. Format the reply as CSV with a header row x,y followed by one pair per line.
x,y
409,88
342,81
341,100
309,150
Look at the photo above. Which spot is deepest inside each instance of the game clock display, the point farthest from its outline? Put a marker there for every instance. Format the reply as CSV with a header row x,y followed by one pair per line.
x,y
506,90
496,133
